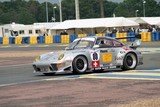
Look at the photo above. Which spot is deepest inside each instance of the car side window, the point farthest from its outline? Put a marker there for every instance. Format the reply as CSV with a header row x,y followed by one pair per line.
x,y
117,43
84,44
108,43
104,43
72,45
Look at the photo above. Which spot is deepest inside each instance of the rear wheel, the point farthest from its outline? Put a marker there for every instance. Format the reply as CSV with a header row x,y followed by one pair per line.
x,y
80,64
129,62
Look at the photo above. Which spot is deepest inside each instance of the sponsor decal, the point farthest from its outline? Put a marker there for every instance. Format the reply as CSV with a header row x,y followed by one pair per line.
x,y
106,57
119,58
112,50
103,50
126,48
122,52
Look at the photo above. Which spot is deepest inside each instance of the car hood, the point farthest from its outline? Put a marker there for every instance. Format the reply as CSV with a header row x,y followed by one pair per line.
x,y
51,56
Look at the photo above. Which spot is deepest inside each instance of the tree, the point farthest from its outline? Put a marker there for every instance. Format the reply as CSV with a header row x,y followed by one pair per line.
x,y
128,7
30,11
109,8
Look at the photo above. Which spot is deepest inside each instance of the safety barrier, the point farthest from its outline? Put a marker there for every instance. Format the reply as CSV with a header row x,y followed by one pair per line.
x,y
33,40
100,34
122,35
72,37
40,39
48,39
11,40
131,34
57,39
25,40
5,40
82,35
155,36
146,36
1,40
113,35
65,39
18,40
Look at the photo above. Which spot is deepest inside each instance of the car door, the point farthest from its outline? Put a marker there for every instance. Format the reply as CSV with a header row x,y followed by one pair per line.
x,y
106,52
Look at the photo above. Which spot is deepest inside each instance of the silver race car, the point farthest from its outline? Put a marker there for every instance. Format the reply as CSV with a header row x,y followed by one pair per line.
x,y
90,53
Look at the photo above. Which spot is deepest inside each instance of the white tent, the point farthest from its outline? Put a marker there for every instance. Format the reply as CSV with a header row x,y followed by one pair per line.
x,y
14,26
146,20
151,20
46,25
138,20
95,23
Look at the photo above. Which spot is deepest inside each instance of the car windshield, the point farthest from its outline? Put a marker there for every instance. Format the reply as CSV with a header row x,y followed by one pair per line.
x,y
81,44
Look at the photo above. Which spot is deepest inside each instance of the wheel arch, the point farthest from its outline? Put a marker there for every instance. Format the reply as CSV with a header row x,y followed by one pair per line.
x,y
131,53
83,56
124,63
80,55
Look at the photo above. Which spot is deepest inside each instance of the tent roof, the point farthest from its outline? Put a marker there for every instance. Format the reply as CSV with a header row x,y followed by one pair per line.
x,y
96,22
147,20
46,25
151,20
138,20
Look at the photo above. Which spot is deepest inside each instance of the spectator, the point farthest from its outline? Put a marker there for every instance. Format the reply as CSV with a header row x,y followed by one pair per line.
x,y
96,31
64,33
114,30
150,29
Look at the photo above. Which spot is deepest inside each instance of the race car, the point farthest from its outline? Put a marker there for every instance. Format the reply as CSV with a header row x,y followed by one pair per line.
x,y
90,54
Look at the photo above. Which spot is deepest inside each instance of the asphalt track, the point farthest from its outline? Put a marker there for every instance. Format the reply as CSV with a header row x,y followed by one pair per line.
x,y
18,70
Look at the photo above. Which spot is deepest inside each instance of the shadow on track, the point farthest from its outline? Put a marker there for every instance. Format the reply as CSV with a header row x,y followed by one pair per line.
x,y
71,74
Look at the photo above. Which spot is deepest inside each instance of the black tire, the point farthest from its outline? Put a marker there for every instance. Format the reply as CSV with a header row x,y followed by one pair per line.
x,y
80,64
129,62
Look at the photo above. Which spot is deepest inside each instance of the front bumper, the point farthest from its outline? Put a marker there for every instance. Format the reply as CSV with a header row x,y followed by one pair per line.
x,y
44,67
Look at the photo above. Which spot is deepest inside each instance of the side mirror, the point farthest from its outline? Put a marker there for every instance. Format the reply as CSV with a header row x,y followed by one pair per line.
x,y
66,48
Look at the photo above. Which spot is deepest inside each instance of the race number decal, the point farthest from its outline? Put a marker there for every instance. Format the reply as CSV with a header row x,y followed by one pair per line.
x,y
95,60
106,57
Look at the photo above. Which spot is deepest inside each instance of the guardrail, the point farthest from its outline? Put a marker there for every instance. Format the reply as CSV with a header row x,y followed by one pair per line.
x,y
65,39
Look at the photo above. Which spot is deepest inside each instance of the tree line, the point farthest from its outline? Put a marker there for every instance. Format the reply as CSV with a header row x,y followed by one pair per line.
x,y
28,12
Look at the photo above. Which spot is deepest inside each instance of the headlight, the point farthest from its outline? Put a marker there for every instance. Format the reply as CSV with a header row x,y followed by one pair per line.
x,y
37,58
60,56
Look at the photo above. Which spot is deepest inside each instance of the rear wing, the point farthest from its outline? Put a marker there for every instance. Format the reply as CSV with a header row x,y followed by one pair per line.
x,y
137,36
137,41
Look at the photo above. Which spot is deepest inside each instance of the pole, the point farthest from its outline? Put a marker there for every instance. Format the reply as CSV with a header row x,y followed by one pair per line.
x,y
46,10
144,11
101,8
77,9
136,13
54,14
60,10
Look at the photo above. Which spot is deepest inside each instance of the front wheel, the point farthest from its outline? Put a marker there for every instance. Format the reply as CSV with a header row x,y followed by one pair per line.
x,y
129,62
80,64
